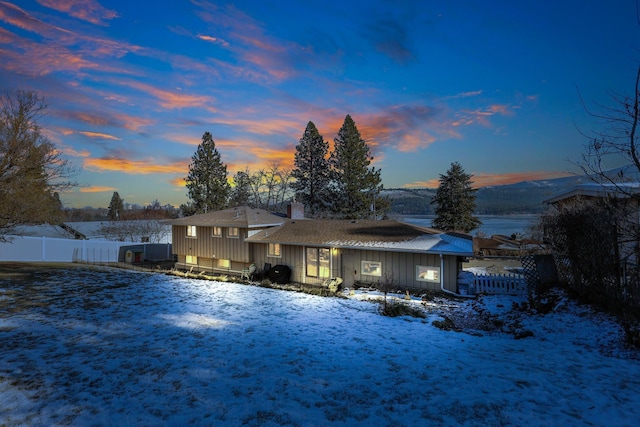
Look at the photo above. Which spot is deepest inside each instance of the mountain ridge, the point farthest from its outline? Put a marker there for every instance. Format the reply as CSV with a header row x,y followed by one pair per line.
x,y
518,198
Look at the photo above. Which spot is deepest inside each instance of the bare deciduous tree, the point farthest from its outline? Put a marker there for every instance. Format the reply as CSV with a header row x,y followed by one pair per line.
x,y
619,139
32,168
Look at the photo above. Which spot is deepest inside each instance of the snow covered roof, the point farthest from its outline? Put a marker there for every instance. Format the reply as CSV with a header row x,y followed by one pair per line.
x,y
593,189
93,229
366,234
44,230
242,217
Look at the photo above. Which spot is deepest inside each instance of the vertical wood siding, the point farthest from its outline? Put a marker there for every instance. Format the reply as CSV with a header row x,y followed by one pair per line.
x,y
204,245
401,265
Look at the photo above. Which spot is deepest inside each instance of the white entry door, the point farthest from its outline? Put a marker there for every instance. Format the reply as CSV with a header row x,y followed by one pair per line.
x,y
350,270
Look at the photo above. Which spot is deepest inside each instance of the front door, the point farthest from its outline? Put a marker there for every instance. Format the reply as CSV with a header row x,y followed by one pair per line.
x,y
350,270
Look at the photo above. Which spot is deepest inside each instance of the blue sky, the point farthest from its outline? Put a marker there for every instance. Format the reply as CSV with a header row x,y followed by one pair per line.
x,y
494,85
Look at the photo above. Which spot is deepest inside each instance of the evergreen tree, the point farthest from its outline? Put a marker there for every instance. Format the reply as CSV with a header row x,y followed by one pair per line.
x,y
357,186
207,180
312,171
455,202
241,190
116,207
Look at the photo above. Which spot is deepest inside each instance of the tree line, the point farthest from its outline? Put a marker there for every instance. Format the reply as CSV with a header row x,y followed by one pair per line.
x,y
330,184
337,183
340,183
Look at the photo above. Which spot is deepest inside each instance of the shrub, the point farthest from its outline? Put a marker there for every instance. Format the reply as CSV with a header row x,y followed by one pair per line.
x,y
397,308
446,324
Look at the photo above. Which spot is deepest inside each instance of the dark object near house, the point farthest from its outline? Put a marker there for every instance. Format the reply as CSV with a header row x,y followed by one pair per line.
x,y
279,274
264,273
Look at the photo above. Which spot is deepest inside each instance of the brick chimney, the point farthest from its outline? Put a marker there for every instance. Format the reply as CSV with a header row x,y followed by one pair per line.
x,y
295,210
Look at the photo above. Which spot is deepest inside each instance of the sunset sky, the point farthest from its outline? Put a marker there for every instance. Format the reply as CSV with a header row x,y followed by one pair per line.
x,y
494,85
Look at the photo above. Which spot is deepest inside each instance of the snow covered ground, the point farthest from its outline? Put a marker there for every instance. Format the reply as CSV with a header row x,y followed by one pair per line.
x,y
82,347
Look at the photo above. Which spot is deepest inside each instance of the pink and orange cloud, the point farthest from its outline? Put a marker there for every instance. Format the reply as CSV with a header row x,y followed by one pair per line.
x,y
215,40
98,135
86,10
172,99
133,167
96,189
487,180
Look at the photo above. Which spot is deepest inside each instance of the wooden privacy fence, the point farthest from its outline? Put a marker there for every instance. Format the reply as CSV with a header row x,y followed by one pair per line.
x,y
513,284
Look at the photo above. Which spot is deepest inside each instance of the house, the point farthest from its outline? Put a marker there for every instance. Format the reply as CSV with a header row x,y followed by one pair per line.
x,y
508,246
144,230
360,252
216,241
591,191
625,196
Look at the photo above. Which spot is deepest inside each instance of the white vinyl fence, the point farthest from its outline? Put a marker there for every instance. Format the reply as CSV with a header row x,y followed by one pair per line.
x,y
512,284
47,249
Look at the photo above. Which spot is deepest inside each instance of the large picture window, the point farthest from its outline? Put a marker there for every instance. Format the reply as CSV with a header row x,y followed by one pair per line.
x,y
223,263
191,231
318,262
191,259
371,268
427,274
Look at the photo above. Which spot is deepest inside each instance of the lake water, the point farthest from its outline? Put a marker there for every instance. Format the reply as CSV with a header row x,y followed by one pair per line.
x,y
491,224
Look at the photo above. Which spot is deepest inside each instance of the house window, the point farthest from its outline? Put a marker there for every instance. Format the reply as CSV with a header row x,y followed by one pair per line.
x,y
217,232
427,274
274,250
224,263
371,268
234,232
191,259
191,231
318,262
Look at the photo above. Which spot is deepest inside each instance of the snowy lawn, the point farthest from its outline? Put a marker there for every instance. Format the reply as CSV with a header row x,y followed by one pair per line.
x,y
86,347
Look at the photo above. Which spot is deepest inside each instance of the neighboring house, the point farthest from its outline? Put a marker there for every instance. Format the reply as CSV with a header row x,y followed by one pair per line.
x,y
138,231
358,251
625,194
594,191
44,230
500,245
145,230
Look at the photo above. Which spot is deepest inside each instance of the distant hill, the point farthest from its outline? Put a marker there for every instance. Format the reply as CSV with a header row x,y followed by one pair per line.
x,y
519,198
410,201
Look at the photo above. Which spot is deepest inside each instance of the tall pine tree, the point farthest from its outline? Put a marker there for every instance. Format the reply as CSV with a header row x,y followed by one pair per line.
x,y
312,171
116,207
207,183
357,185
455,202
241,191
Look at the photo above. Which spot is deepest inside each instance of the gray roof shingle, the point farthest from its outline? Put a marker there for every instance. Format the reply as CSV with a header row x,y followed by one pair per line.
x,y
242,217
365,234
